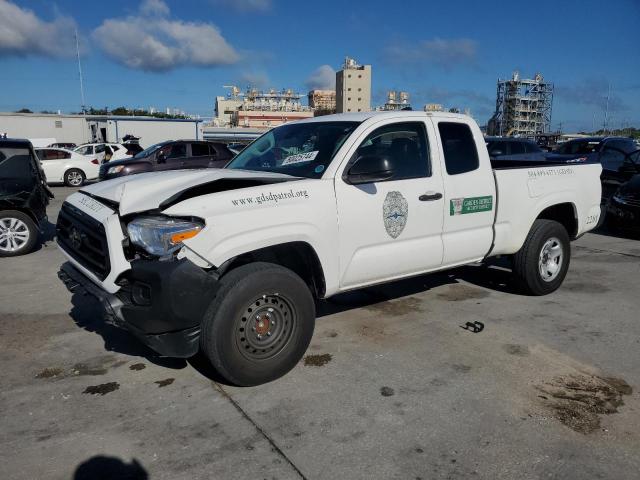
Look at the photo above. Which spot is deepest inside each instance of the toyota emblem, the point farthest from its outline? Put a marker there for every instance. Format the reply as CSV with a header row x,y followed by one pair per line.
x,y
75,238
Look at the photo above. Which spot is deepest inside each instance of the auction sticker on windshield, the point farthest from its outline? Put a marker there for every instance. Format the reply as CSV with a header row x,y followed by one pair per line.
x,y
300,158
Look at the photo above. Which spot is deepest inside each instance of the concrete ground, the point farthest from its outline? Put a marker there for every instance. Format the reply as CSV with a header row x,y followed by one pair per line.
x,y
392,386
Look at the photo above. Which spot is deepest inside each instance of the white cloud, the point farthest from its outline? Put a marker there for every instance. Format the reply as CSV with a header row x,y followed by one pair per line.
x,y
322,78
154,7
154,42
23,33
245,5
443,53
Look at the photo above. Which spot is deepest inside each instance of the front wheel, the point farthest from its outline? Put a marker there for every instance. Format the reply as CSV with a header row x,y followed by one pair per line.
x,y
18,233
543,261
74,177
259,325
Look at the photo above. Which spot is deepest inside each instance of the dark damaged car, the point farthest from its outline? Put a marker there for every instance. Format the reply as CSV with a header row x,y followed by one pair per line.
x,y
170,155
24,196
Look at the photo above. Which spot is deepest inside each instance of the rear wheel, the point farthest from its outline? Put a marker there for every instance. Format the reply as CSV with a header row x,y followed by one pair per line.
x,y
18,233
259,325
74,177
543,261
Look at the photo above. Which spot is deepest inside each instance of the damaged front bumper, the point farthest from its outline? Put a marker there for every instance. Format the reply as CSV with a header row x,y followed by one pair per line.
x,y
162,303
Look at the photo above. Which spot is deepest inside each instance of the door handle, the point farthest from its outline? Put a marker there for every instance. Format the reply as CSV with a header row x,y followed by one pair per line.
x,y
430,197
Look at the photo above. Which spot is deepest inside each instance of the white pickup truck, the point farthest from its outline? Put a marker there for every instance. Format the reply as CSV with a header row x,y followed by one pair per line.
x,y
231,261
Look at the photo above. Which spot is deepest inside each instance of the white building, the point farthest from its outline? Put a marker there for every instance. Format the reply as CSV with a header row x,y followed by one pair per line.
x,y
88,128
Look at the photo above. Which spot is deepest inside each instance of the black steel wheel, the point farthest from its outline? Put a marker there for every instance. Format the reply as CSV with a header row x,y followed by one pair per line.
x,y
259,324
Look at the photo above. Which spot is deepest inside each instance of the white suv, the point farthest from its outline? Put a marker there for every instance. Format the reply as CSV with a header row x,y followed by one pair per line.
x,y
104,152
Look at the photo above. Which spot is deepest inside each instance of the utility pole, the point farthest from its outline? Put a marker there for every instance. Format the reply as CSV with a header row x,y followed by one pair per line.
x,y
606,111
83,106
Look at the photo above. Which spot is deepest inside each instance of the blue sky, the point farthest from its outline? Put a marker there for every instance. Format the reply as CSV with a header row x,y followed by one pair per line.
x,y
179,54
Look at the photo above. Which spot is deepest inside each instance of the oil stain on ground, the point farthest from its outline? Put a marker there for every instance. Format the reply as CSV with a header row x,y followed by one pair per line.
x,y
102,389
396,308
517,350
578,401
49,372
387,391
165,382
459,292
137,366
317,360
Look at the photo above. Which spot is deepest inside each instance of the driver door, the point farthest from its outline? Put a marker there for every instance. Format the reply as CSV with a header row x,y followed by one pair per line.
x,y
391,228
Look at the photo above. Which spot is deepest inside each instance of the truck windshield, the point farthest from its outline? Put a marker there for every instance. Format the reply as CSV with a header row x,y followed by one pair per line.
x,y
298,149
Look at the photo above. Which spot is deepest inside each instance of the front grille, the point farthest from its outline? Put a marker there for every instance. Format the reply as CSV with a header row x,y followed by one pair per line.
x,y
85,239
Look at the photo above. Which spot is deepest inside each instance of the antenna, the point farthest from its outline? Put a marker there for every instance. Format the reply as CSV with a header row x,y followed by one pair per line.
x,y
80,72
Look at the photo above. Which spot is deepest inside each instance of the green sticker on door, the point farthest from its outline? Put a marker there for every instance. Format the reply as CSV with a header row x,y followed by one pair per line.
x,y
461,206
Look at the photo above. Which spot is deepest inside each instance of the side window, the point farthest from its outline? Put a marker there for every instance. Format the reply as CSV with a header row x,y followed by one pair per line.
x,y
626,146
199,150
517,148
177,150
115,148
611,158
530,147
404,145
64,155
212,151
460,153
100,148
86,150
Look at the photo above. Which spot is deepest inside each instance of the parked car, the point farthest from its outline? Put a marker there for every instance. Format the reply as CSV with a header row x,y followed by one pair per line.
x,y
104,152
508,146
505,150
170,155
623,209
231,261
24,196
611,153
65,166
68,146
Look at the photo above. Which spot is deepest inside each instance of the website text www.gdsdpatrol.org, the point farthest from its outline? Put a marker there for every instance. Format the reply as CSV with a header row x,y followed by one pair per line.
x,y
270,197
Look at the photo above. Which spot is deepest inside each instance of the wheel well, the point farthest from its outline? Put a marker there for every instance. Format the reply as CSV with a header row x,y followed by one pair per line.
x,y
299,257
563,213
26,211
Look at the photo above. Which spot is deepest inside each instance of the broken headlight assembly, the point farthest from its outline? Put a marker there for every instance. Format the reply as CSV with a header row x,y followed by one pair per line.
x,y
162,236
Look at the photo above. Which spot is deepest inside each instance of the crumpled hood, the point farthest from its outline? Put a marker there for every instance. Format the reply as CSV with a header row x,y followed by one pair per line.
x,y
147,191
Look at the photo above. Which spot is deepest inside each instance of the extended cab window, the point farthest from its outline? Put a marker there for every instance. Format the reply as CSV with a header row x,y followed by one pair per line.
x,y
403,144
460,153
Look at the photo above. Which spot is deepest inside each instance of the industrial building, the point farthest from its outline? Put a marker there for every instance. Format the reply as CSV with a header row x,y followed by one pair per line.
x,y
322,102
396,101
523,107
259,109
353,87
97,128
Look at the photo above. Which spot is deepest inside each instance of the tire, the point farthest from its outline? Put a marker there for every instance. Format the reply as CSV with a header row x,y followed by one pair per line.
x,y
259,325
533,264
18,233
74,177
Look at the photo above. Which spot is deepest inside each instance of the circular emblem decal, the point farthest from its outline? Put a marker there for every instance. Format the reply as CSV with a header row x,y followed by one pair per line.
x,y
395,211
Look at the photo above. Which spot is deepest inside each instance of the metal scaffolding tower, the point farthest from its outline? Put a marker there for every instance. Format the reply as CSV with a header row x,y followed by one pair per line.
x,y
523,107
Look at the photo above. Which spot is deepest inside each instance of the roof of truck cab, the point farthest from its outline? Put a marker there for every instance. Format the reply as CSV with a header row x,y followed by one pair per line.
x,y
362,116
14,142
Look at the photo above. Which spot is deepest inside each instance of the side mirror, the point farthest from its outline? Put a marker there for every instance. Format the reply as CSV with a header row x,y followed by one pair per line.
x,y
369,169
161,157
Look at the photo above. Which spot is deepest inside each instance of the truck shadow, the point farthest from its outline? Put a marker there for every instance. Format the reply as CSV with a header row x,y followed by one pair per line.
x,y
495,275
87,313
